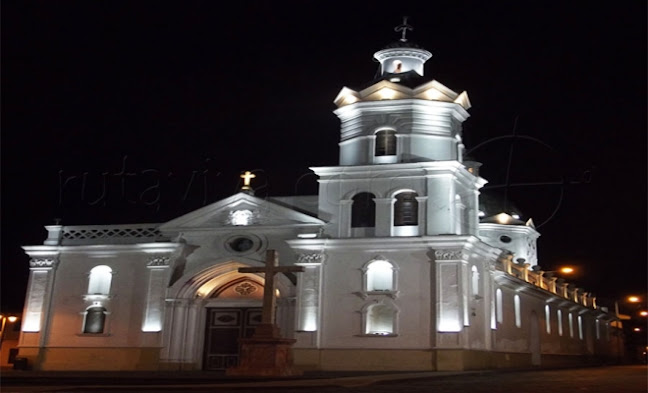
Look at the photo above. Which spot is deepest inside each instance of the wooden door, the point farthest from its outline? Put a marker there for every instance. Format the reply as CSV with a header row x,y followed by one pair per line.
x,y
224,327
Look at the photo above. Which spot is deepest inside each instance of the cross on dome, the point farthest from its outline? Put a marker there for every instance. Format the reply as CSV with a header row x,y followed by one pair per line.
x,y
403,28
402,57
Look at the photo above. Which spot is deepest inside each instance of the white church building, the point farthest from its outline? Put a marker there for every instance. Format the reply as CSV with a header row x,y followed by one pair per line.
x,y
400,271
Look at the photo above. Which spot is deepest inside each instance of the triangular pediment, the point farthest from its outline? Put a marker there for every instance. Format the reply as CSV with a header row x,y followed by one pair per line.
x,y
240,210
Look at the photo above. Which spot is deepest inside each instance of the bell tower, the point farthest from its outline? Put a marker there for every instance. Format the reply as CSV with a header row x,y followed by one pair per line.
x,y
401,169
401,116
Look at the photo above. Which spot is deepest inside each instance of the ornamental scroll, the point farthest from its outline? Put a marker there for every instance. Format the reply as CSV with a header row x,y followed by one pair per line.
x,y
43,262
448,254
158,261
311,258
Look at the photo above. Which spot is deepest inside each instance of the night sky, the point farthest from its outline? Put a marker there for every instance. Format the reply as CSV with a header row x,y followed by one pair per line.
x,y
131,112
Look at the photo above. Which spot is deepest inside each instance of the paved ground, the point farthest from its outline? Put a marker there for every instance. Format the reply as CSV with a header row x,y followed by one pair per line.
x,y
619,379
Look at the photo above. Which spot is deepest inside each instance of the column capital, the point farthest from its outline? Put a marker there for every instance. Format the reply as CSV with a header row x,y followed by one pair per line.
x,y
316,258
48,262
158,261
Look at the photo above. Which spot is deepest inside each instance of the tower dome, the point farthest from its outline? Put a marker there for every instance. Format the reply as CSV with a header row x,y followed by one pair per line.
x,y
400,117
399,58
402,56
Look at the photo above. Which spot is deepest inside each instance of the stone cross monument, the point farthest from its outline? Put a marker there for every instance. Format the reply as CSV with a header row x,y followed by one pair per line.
x,y
266,353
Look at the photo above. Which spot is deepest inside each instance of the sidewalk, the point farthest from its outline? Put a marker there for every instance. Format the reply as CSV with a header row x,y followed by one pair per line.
x,y
205,379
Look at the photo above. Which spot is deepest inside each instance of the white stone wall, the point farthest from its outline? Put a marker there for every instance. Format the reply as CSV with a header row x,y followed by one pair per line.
x,y
426,130
345,300
437,184
523,240
510,338
125,305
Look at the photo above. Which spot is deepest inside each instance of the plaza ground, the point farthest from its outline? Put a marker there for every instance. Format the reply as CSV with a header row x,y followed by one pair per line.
x,y
617,379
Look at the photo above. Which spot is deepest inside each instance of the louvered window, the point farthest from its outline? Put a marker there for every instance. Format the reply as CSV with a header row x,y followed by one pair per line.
x,y
386,143
406,209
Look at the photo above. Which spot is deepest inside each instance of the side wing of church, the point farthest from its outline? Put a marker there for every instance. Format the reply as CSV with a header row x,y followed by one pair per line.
x,y
400,272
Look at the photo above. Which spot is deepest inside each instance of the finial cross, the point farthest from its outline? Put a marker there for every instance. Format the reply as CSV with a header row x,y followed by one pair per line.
x,y
247,176
403,28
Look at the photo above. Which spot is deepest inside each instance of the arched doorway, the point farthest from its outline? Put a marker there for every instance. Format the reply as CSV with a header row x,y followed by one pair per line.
x,y
237,315
534,339
210,307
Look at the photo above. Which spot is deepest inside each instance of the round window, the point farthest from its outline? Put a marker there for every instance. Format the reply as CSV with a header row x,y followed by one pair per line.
x,y
241,244
505,239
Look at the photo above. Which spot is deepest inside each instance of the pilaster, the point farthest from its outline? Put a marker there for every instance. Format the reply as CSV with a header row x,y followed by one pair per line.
x,y
384,216
344,218
308,289
158,274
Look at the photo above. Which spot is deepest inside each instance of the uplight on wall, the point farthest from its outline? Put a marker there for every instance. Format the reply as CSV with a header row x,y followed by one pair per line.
x,y
503,218
387,93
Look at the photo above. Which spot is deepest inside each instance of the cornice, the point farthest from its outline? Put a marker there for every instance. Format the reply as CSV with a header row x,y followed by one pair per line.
x,y
154,248
415,169
356,109
381,244
522,229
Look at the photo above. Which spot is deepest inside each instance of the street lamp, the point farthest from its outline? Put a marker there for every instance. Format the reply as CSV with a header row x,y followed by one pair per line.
x,y
564,270
4,318
634,299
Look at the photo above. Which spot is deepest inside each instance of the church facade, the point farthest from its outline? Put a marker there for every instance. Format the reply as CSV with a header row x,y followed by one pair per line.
x,y
401,270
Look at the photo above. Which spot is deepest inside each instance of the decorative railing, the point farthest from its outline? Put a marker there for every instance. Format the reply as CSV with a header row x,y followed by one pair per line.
x,y
110,234
547,281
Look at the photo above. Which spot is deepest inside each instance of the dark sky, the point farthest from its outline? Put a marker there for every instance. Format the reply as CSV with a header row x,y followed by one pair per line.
x,y
162,106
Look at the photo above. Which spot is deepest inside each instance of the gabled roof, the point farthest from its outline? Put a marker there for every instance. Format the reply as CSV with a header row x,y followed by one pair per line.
x,y
240,210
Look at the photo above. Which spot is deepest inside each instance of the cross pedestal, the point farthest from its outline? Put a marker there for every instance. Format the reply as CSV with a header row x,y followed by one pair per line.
x,y
266,353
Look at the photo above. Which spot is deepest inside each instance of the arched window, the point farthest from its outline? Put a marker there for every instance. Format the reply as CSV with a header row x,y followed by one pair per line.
x,y
580,327
100,279
398,67
406,209
498,306
570,321
95,320
475,281
548,318
560,323
385,143
380,276
380,319
363,210
516,305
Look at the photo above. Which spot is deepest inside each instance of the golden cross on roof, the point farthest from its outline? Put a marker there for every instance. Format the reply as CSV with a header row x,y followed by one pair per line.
x,y
404,27
247,176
